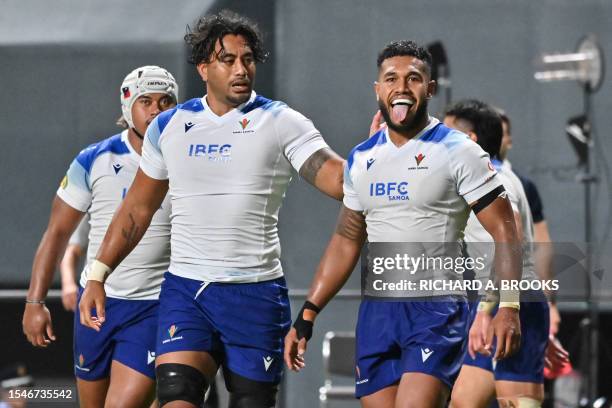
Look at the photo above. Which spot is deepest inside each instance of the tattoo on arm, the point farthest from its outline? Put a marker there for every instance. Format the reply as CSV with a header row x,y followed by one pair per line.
x,y
351,224
131,234
311,167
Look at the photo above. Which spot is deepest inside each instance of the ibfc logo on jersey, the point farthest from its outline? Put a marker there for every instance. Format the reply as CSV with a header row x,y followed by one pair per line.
x,y
212,152
393,190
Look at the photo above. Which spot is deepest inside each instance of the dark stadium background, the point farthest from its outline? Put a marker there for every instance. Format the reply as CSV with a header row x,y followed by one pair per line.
x,y
61,66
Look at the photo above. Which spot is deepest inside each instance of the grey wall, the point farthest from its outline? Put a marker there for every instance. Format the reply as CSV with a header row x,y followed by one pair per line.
x,y
326,63
60,68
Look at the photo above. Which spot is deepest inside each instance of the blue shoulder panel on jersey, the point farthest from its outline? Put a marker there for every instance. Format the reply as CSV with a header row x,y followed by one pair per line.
x,y
163,118
497,164
436,134
377,138
113,144
263,103
445,135
192,105
77,176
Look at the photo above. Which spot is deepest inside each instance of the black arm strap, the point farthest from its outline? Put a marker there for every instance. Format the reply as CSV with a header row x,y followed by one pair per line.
x,y
487,199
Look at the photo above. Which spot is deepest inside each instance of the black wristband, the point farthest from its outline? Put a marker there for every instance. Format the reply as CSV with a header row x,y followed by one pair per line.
x,y
304,327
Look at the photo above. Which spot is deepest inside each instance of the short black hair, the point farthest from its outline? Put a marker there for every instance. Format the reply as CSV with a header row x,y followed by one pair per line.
x,y
505,118
208,29
485,122
404,48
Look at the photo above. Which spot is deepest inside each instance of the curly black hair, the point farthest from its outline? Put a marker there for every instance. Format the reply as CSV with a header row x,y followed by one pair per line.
x,y
404,47
208,29
484,120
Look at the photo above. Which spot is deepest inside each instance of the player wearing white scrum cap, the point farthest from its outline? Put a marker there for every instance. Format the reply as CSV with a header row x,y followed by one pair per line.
x,y
117,363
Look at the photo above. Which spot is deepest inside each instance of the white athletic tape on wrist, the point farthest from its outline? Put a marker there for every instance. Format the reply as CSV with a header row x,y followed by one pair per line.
x,y
98,271
510,298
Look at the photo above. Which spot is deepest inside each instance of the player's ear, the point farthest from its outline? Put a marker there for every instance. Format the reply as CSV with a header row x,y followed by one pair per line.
x,y
473,136
202,68
376,86
431,88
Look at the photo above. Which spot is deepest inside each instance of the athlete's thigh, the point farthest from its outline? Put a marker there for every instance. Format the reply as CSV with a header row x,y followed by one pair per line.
x,y
418,390
253,319
513,390
383,398
183,326
129,388
200,360
92,393
474,388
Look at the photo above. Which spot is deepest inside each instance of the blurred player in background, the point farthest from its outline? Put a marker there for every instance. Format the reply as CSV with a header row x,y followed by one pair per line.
x,y
517,380
541,235
113,366
226,160
76,248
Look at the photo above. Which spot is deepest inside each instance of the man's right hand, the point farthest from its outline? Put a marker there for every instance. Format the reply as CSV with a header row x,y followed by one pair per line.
x,y
294,350
69,296
37,325
506,328
93,297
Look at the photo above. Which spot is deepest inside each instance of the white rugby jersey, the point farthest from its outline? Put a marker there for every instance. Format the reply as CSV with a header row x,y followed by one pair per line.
x,y
96,182
227,175
476,235
419,192
80,236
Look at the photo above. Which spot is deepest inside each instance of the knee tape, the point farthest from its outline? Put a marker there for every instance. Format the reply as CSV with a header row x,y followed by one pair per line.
x,y
180,382
523,402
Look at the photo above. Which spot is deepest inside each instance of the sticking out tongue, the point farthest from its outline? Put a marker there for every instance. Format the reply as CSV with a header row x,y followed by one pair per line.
x,y
399,112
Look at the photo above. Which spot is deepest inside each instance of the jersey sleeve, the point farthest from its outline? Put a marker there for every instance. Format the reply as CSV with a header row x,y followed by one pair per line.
x,y
74,189
473,172
299,138
152,161
351,199
80,236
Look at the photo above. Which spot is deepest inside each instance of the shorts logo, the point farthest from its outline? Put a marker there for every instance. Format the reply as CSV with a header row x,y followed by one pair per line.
x,y
150,357
64,182
80,365
359,380
419,158
172,331
268,362
426,353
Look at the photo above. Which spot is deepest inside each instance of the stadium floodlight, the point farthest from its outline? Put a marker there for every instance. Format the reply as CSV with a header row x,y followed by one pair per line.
x,y
585,65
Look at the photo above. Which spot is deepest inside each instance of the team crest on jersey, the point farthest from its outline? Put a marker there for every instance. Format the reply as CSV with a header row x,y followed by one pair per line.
x,y
418,159
244,123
